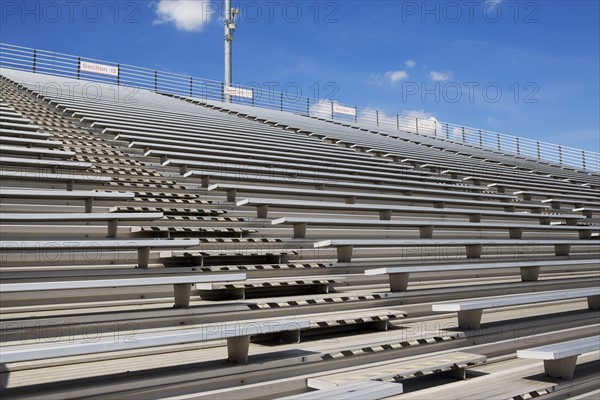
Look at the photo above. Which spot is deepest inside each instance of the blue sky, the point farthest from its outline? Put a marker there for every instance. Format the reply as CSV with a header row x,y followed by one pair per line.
x,y
528,68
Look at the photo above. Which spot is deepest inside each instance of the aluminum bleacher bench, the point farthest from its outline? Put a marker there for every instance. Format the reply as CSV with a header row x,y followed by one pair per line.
x,y
363,390
322,180
239,290
560,358
450,364
385,210
111,218
232,190
587,211
30,142
87,196
556,202
181,284
528,195
143,247
530,270
426,228
36,152
23,133
473,247
53,164
470,311
24,126
237,335
69,178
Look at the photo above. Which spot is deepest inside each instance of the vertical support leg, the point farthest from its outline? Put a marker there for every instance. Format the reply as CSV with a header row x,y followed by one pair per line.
x,y
594,302
455,373
182,292
112,228
470,319
350,200
205,181
262,211
300,230
515,233
399,282
475,218
474,250
530,274
439,204
231,194
385,215
89,205
545,221
585,234
426,232
563,368
562,249
143,257
344,253
70,185
292,336
237,349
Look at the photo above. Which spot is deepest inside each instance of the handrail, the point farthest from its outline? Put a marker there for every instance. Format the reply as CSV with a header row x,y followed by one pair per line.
x,y
67,65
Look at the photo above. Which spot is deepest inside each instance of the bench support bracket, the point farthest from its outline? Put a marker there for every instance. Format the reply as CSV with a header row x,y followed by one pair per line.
x,y
237,349
344,253
470,319
182,293
563,368
594,302
399,282
300,230
530,274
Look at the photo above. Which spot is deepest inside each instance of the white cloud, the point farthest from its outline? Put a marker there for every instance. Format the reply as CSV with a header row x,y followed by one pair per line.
x,y
421,114
438,76
187,15
388,77
410,63
395,76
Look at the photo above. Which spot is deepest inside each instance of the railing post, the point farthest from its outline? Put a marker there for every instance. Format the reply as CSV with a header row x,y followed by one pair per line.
x,y
252,96
539,152
447,131
583,158
332,110
191,87
518,147
34,60
398,122
463,133
498,139
416,125
78,67
223,92
480,139
281,102
308,106
155,81
377,116
435,128
560,155
355,115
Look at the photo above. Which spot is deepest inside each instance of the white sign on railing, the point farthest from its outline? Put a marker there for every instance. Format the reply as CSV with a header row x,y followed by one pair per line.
x,y
344,110
239,92
99,68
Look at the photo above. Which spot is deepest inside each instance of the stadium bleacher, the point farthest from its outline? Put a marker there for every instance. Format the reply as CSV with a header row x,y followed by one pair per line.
x,y
287,243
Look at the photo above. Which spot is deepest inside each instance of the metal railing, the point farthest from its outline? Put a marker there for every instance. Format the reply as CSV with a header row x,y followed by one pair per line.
x,y
47,62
